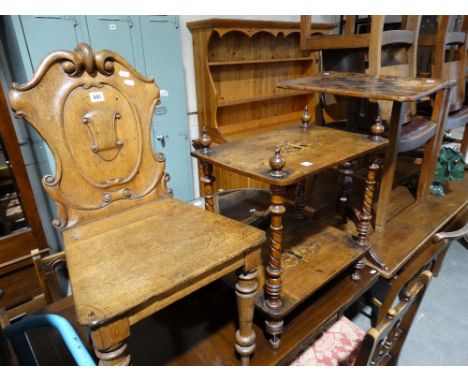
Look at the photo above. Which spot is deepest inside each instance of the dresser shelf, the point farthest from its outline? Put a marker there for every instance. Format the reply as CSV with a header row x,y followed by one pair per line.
x,y
260,61
263,97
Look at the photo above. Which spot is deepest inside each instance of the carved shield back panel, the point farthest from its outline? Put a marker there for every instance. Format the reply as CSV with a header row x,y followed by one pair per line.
x,y
107,121
94,112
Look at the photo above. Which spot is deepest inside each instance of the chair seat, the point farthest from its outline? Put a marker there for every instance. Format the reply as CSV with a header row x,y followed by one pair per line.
x,y
338,345
142,255
415,133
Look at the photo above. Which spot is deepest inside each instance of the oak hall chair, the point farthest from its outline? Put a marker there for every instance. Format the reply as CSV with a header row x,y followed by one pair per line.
x,y
131,249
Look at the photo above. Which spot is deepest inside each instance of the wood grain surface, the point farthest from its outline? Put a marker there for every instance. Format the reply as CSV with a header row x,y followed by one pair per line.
x,y
306,152
120,262
361,85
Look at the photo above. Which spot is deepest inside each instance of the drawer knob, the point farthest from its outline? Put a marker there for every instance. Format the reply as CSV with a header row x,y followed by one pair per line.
x,y
2,293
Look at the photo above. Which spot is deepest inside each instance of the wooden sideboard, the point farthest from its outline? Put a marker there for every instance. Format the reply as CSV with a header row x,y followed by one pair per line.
x,y
237,66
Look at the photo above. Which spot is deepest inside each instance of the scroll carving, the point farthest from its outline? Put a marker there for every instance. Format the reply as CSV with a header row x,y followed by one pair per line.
x,y
81,59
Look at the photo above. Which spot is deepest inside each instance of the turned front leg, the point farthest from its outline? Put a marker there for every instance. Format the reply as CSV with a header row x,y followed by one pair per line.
x,y
366,215
274,269
110,343
246,292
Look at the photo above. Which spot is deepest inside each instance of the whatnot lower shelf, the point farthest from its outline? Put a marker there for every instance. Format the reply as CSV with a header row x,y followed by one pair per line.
x,y
259,61
312,257
262,97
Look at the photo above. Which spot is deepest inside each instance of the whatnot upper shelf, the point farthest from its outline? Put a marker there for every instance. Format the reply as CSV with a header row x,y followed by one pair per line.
x,y
262,97
306,152
389,88
259,61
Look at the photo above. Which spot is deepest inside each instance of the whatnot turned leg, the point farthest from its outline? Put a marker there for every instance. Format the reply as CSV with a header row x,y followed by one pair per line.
x,y
366,215
300,201
110,343
389,167
343,205
207,179
246,291
207,168
432,148
274,269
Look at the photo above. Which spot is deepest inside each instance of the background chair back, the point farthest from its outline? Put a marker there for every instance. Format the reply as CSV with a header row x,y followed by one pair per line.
x,y
449,57
382,343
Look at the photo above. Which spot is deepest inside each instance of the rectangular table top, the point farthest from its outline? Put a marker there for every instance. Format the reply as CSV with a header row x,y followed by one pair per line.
x,y
362,85
141,255
306,151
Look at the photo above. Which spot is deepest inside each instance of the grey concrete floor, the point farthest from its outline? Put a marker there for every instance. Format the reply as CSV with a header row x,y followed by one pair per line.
x,y
439,335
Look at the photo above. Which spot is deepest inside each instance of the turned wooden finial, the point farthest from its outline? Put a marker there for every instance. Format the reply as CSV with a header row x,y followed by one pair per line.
x,y
277,163
305,118
377,129
205,141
